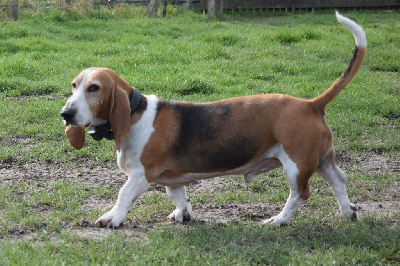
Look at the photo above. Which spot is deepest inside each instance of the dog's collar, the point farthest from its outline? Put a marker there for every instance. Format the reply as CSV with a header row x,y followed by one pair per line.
x,y
104,130
134,99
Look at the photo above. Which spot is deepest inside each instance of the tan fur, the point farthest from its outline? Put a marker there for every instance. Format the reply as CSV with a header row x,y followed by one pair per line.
x,y
118,109
321,101
156,157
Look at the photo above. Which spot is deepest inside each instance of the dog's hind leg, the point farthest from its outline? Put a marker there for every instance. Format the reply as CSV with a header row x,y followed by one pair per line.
x,y
183,209
337,181
297,176
135,186
295,200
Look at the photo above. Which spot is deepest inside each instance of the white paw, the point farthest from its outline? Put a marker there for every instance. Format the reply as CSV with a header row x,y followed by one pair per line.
x,y
350,211
111,219
180,215
277,220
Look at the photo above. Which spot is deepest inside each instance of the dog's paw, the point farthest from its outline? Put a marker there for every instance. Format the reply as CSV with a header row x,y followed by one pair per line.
x,y
350,212
276,220
180,215
111,219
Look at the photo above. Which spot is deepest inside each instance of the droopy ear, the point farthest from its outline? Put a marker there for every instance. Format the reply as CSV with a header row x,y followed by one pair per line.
x,y
76,136
120,117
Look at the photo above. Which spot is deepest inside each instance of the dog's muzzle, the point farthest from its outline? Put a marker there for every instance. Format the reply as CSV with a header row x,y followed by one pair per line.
x,y
68,115
101,131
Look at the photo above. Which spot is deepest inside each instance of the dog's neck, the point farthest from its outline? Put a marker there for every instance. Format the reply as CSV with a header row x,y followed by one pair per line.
x,y
104,130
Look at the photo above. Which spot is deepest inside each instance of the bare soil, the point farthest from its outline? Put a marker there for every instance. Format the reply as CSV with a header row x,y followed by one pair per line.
x,y
109,175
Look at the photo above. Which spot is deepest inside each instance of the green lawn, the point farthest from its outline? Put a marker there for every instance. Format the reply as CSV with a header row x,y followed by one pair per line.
x,y
48,206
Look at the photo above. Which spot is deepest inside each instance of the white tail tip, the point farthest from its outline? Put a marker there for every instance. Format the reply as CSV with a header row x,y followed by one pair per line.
x,y
358,32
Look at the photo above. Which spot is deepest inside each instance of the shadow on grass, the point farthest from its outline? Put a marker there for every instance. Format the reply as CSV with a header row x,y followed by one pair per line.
x,y
367,242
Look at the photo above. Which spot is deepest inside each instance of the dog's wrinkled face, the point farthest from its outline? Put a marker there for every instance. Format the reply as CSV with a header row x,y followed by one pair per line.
x,y
86,105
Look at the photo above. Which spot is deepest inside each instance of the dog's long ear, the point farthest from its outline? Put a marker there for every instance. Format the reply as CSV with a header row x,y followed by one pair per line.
x,y
120,116
76,136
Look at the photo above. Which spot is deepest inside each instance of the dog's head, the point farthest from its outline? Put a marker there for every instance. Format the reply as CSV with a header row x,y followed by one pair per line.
x,y
98,96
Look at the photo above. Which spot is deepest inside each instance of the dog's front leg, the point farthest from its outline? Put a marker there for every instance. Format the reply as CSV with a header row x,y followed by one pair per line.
x,y
135,186
183,209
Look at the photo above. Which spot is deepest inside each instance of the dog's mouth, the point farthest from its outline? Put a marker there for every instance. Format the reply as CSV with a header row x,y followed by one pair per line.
x,y
66,123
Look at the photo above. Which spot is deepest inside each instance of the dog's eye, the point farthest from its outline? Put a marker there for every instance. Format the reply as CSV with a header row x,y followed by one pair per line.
x,y
73,85
93,88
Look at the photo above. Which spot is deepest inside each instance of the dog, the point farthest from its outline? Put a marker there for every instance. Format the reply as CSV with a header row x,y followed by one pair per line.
x,y
173,143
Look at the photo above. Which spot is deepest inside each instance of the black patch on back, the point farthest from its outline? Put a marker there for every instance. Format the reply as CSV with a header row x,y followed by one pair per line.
x,y
205,142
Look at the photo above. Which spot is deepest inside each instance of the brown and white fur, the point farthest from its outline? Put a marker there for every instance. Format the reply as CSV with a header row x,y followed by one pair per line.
x,y
175,143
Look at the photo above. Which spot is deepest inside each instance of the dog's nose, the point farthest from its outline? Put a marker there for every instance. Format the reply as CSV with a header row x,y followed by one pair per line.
x,y
68,115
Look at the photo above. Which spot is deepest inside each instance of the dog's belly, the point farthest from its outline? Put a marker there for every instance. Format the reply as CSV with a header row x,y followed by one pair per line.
x,y
250,171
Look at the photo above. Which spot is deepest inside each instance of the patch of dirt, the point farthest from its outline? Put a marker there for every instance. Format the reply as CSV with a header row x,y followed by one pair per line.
x,y
108,175
100,202
225,213
384,208
96,233
81,231
368,164
26,142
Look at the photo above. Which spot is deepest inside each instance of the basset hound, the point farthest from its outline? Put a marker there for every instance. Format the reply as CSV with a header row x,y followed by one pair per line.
x,y
173,143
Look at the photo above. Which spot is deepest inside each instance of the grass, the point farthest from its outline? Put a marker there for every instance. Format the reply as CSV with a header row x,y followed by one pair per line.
x,y
187,56
222,245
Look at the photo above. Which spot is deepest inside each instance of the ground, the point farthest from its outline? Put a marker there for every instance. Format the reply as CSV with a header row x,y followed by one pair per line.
x,y
107,174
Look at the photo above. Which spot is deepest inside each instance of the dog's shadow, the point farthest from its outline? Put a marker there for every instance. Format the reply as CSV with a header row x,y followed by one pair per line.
x,y
299,238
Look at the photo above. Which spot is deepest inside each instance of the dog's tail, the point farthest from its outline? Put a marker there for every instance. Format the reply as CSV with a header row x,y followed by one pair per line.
x,y
361,46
